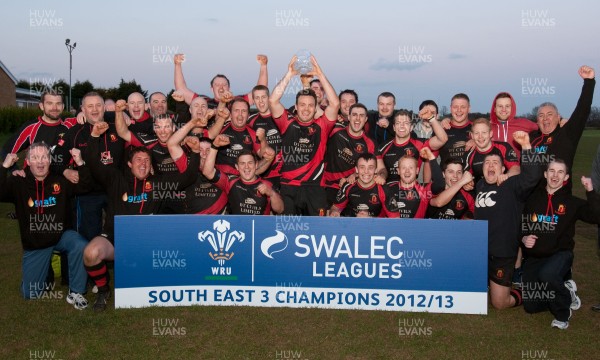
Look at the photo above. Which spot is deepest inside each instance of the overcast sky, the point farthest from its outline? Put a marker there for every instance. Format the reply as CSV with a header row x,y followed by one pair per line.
x,y
417,50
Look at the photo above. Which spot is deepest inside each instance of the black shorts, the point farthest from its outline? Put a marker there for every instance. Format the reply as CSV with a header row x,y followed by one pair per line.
x,y
501,269
308,200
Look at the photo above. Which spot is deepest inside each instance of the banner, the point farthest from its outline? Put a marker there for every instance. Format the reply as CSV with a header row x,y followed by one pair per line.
x,y
294,261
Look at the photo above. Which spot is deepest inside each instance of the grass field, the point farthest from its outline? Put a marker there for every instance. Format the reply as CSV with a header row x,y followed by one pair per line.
x,y
52,329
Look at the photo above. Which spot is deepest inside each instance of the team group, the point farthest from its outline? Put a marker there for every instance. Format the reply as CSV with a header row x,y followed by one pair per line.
x,y
326,155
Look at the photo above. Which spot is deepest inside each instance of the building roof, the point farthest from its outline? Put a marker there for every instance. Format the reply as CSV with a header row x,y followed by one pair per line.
x,y
28,92
10,75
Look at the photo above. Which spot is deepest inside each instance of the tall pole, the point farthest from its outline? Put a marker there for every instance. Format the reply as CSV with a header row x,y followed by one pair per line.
x,y
70,48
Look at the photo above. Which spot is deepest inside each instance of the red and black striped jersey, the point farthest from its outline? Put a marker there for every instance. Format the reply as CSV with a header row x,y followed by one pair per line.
x,y
303,149
409,202
36,130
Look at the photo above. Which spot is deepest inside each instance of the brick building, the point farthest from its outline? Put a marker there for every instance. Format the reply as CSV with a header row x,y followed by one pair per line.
x,y
8,87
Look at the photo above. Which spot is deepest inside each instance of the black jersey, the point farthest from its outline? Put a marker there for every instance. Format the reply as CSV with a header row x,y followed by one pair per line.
x,y
303,149
203,196
563,141
239,140
355,198
109,151
342,151
391,152
473,159
243,197
43,207
143,126
128,195
161,158
502,206
457,140
273,137
462,206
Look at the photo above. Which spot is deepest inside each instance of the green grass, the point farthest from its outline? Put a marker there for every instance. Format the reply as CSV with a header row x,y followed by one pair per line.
x,y
279,333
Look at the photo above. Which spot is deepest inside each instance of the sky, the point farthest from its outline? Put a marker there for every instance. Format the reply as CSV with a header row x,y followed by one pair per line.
x,y
418,50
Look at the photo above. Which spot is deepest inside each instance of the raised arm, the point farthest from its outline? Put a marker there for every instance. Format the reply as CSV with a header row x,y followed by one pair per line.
x,y
180,84
222,114
263,75
576,124
209,164
531,170
446,196
275,104
381,172
276,200
120,125
174,142
268,155
439,137
437,179
332,109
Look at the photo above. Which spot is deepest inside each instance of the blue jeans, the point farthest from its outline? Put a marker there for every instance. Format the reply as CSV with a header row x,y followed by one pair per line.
x,y
89,214
543,284
36,263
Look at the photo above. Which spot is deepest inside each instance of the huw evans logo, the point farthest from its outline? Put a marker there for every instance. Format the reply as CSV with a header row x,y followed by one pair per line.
x,y
274,244
221,241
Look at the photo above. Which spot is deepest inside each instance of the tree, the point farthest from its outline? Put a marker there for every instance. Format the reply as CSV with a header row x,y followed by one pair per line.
x,y
594,119
24,84
126,88
81,88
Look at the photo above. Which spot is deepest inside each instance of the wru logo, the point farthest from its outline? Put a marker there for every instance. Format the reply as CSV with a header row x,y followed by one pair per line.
x,y
221,240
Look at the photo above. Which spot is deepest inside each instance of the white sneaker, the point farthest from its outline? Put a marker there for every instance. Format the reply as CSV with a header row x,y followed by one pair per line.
x,y
562,324
575,301
77,300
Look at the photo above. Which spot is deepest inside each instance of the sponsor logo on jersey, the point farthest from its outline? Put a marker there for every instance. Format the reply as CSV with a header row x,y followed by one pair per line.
x,y
484,199
459,205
